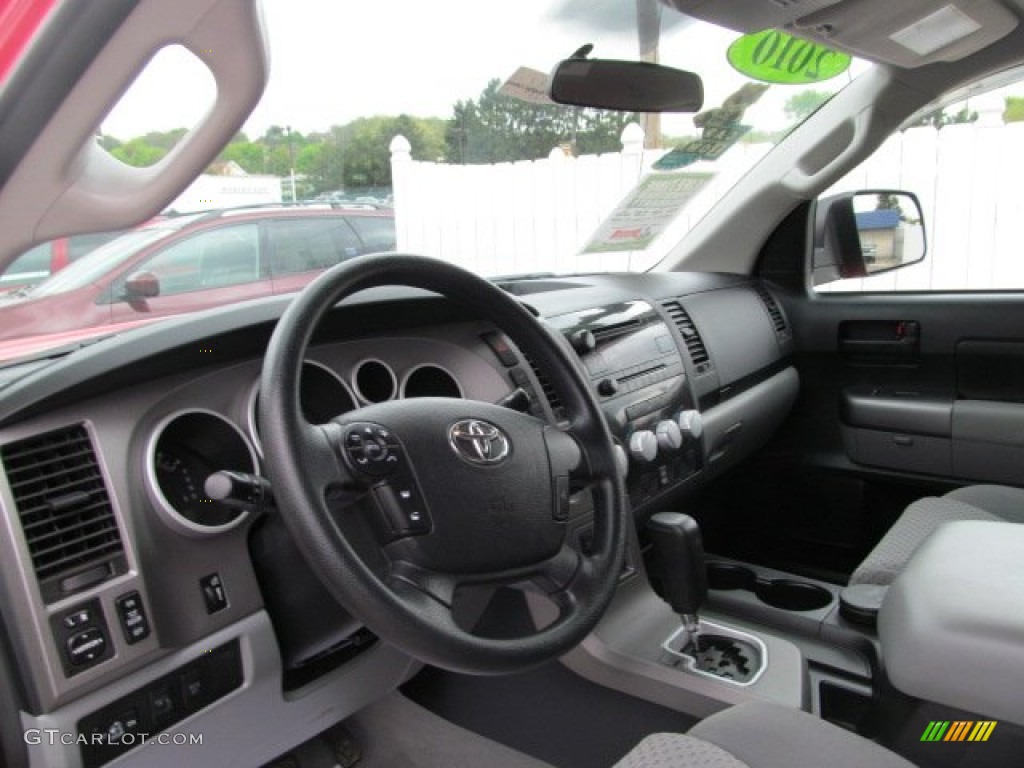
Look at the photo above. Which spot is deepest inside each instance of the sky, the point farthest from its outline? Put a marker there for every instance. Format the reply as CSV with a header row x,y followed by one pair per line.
x,y
335,60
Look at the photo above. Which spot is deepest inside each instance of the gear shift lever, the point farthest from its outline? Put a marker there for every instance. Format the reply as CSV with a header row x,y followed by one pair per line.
x,y
680,556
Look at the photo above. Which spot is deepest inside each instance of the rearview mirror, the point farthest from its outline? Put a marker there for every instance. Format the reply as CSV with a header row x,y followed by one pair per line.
x,y
625,86
141,285
859,234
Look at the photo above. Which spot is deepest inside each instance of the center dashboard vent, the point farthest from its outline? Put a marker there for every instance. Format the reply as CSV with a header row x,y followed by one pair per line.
x,y
691,336
65,510
774,311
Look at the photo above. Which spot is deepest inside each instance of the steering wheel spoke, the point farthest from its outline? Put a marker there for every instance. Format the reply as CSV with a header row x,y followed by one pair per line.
x,y
320,461
556,577
413,582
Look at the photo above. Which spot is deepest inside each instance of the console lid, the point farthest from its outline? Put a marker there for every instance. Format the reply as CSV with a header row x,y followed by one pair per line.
x,y
952,624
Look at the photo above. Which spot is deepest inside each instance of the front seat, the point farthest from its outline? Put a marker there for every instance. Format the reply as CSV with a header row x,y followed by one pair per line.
x,y
760,735
993,503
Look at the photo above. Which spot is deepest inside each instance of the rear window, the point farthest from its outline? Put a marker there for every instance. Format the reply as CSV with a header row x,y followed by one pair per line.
x,y
305,245
377,232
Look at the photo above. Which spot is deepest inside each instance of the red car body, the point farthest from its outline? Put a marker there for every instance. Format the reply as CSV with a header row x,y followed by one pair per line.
x,y
187,264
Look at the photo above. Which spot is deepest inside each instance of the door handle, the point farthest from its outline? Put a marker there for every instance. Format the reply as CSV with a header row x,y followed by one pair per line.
x,y
880,341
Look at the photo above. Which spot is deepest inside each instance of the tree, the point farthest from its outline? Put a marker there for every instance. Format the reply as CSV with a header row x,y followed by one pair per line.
x,y
800,105
366,142
1014,112
499,128
165,140
139,153
109,143
940,119
248,155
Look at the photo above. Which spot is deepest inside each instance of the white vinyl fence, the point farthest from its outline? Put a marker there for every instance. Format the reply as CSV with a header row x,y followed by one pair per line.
x,y
538,216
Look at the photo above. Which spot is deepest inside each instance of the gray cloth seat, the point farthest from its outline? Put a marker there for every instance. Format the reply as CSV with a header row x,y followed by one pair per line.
x,y
994,503
760,735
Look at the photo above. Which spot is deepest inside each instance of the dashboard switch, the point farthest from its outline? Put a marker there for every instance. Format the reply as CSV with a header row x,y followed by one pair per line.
x,y
500,347
133,618
214,596
643,446
193,688
86,646
161,705
77,618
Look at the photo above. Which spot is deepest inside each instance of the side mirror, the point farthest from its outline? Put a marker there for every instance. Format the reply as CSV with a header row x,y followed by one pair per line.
x,y
626,86
141,285
858,234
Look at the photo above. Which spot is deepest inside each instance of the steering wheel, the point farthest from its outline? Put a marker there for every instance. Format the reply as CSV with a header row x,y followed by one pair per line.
x,y
397,504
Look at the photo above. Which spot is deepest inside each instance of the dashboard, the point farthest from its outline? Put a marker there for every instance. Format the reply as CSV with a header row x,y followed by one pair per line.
x,y
137,600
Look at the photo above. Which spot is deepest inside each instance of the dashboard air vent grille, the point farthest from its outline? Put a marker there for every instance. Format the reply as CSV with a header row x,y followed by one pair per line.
x,y
774,312
691,336
64,508
549,391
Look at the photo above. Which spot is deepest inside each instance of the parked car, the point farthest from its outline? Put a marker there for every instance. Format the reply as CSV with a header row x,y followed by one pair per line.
x,y
191,262
39,262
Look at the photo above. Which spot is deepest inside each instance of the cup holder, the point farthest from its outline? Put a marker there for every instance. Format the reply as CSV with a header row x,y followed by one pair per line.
x,y
792,595
729,576
787,594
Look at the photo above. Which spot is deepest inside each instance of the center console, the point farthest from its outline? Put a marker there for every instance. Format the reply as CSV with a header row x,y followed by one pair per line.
x,y
640,378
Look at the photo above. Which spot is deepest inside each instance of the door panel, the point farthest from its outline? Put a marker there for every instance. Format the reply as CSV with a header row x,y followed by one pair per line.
x,y
924,386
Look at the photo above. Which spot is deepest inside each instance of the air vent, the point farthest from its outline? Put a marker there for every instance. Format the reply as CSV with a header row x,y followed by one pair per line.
x,y
694,343
65,511
549,391
774,312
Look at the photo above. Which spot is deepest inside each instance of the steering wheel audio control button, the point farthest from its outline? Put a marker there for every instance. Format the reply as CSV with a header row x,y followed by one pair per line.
x,y
403,506
372,449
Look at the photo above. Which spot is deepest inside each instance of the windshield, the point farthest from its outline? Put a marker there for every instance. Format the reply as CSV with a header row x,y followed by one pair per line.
x,y
449,136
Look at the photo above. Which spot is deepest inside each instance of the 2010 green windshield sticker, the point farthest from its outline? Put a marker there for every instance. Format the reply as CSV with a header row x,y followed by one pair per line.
x,y
772,56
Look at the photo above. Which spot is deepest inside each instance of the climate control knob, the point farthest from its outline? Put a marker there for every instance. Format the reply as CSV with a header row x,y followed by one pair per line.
x,y
643,446
690,424
670,437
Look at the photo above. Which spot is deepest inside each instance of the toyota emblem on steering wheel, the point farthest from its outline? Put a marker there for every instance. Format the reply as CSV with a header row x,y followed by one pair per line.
x,y
478,442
